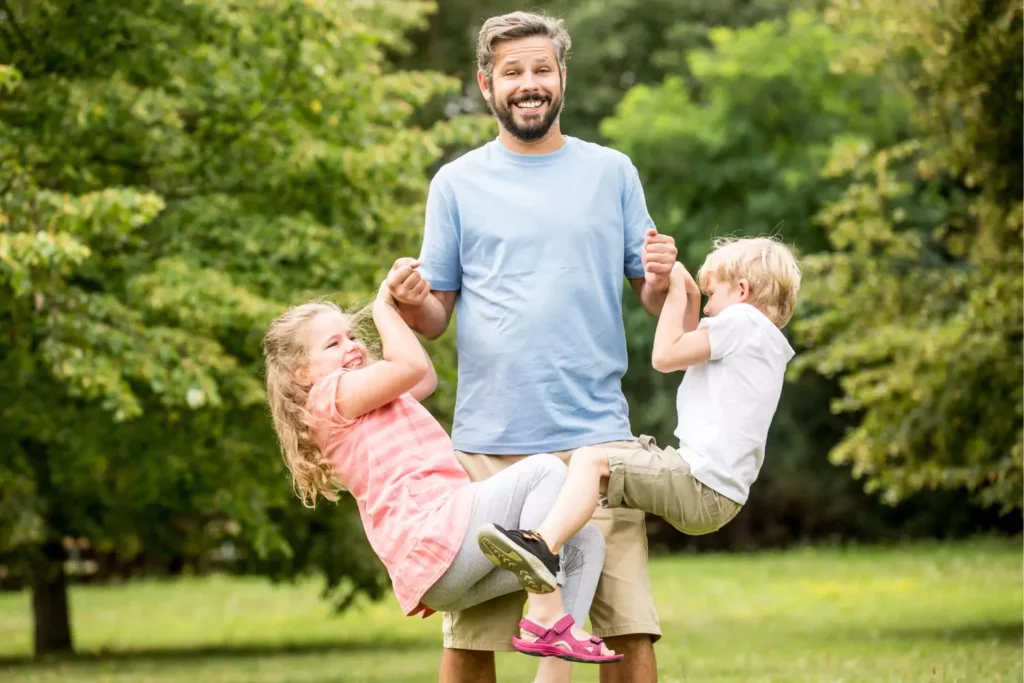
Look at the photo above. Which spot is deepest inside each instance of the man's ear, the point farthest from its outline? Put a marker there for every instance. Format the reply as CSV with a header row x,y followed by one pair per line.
x,y
485,89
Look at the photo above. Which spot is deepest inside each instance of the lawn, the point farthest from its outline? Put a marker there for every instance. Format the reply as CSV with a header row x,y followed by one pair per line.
x,y
927,612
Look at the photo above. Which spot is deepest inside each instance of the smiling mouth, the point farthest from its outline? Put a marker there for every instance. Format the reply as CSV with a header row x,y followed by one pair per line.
x,y
530,104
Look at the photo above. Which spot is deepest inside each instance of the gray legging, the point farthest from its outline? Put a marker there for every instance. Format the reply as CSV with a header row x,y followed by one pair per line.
x,y
519,497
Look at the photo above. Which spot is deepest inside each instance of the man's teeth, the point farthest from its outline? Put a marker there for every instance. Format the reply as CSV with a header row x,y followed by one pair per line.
x,y
529,104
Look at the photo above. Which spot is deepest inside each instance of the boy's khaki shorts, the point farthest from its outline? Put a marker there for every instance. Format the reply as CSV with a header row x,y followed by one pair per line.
x,y
623,604
659,481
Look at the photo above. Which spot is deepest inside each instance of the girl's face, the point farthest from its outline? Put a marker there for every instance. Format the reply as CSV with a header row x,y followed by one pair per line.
x,y
722,295
331,344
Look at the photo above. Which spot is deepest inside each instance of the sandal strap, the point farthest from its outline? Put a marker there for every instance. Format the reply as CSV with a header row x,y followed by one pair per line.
x,y
534,628
561,632
563,624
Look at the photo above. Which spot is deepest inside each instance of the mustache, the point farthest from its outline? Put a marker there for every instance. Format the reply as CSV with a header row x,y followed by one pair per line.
x,y
528,97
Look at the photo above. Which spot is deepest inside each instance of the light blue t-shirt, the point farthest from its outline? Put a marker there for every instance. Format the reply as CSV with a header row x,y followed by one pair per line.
x,y
537,246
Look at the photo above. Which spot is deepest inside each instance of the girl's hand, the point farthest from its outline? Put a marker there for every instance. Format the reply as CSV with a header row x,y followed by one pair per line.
x,y
384,295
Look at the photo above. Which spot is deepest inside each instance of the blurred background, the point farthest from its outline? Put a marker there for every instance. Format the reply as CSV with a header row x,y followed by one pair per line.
x,y
173,173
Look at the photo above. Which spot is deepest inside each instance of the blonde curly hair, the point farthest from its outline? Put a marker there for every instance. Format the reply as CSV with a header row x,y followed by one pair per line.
x,y
286,356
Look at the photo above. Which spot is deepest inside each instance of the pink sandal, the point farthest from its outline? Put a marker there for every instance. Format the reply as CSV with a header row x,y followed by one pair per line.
x,y
558,641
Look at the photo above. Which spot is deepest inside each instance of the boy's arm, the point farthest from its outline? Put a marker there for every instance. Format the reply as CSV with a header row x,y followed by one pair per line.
x,y
678,343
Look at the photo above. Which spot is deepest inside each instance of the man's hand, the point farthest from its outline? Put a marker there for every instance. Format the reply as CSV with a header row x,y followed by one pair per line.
x,y
406,284
658,257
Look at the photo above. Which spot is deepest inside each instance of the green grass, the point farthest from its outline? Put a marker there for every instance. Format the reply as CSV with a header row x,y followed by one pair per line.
x,y
935,613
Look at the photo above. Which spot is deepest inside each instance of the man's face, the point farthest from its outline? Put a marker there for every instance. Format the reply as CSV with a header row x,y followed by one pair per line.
x,y
526,87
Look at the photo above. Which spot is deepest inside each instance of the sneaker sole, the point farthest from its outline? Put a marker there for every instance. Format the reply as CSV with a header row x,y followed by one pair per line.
x,y
531,573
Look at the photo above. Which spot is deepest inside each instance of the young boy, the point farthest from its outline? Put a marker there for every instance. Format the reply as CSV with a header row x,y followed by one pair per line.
x,y
736,360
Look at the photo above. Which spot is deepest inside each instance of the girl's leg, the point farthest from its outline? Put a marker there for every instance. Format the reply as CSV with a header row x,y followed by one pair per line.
x,y
520,497
510,497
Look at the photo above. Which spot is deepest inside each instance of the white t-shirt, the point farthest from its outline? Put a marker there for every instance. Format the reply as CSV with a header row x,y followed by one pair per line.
x,y
726,405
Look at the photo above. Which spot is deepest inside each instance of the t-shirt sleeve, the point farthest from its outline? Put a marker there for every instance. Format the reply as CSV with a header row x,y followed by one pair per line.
x,y
637,222
441,264
728,331
322,403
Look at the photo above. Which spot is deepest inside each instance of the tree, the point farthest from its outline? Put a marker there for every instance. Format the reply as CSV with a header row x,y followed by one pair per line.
x,y
917,308
172,175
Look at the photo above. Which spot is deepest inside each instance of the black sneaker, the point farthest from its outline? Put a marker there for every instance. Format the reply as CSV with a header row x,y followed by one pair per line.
x,y
524,553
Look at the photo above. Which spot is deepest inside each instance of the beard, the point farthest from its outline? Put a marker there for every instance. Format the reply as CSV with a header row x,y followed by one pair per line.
x,y
526,132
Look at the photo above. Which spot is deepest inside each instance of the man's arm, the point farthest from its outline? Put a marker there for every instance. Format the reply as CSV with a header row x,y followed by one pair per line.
x,y
431,317
657,258
651,299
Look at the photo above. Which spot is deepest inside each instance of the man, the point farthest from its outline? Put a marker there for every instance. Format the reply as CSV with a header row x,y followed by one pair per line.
x,y
532,234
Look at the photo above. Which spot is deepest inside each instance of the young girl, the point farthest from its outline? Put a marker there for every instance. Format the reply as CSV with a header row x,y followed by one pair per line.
x,y
345,421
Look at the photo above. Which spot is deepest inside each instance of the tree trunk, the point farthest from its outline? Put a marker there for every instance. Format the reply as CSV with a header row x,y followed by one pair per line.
x,y
49,582
50,604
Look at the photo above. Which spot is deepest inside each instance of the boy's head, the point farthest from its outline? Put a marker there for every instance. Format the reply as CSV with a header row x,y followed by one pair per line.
x,y
760,271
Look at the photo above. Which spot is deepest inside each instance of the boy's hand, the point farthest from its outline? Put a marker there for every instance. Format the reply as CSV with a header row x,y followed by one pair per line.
x,y
681,277
658,255
406,284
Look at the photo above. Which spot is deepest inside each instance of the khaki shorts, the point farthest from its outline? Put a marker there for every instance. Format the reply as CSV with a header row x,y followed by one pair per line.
x,y
659,481
623,604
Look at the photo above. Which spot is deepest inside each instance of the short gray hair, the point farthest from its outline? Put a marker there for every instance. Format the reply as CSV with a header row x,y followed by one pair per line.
x,y
519,25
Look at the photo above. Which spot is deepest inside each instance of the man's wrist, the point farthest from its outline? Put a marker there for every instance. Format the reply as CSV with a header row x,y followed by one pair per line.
x,y
408,312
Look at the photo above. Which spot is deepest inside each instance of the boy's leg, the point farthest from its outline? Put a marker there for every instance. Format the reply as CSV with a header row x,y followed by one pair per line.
x,y
659,481
578,499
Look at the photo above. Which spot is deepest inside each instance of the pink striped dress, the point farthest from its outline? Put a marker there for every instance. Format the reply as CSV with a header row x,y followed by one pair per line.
x,y
414,498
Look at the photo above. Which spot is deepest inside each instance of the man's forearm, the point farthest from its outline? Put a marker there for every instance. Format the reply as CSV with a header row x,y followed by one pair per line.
x,y
652,300
429,318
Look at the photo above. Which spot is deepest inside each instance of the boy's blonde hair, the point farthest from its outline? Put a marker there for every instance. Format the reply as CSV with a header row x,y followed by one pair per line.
x,y
767,265
284,352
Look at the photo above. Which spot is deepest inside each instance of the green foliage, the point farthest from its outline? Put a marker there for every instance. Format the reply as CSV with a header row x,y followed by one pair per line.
x,y
616,44
740,151
172,174
918,307
622,43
